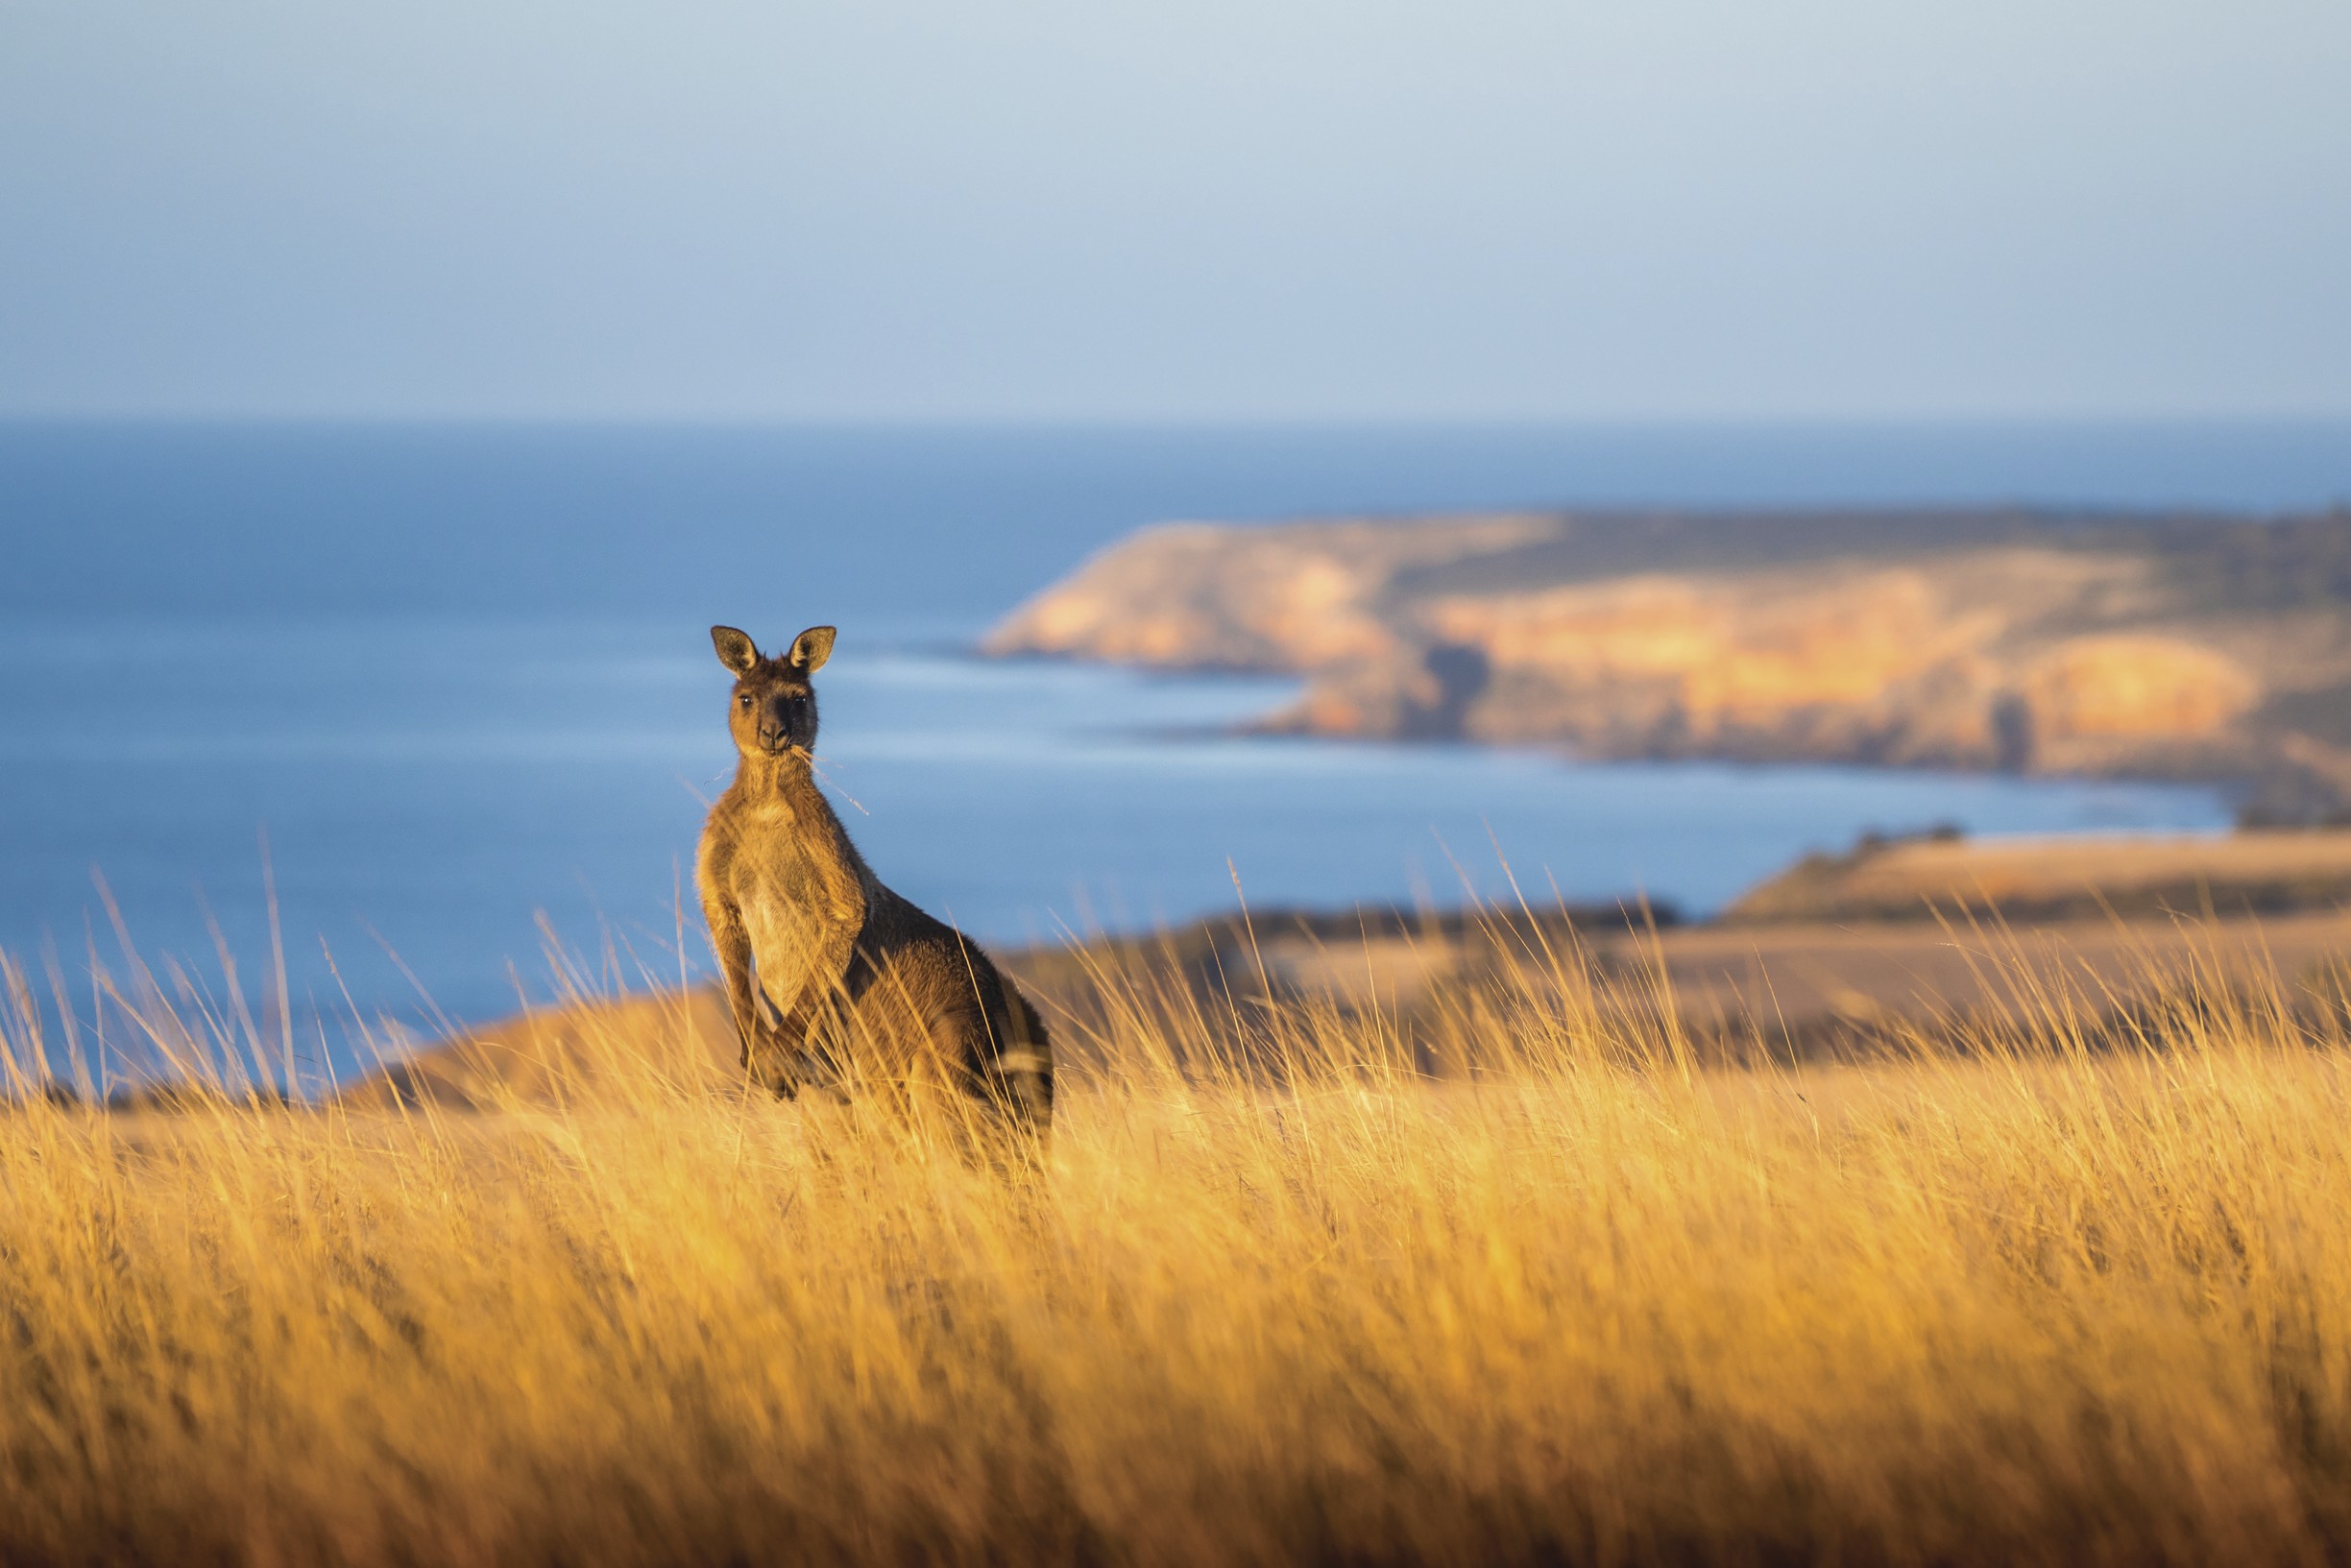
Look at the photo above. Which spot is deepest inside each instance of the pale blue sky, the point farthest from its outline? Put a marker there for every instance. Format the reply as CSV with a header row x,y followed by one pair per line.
x,y
1217,208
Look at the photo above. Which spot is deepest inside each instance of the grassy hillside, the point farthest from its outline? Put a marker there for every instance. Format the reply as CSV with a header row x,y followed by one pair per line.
x,y
2051,877
1541,1289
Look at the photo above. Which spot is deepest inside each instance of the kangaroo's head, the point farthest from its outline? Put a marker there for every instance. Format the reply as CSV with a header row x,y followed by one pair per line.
x,y
774,706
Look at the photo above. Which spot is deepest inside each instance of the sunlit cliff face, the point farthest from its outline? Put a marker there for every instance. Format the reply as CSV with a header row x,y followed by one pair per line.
x,y
1290,608
2018,656
1208,596
2136,687
1737,658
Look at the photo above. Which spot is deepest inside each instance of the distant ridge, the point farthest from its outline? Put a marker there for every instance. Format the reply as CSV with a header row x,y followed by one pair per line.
x,y
2185,645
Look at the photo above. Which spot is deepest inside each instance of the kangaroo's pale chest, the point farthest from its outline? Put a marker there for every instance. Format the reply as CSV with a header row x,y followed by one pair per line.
x,y
795,905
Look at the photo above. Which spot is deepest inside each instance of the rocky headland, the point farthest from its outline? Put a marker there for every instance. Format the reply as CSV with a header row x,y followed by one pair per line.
x,y
2175,646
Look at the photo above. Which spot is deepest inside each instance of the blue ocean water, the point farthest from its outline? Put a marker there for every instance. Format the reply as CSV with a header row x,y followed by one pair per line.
x,y
459,678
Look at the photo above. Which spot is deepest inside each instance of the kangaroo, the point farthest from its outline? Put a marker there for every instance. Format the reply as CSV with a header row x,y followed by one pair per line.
x,y
836,983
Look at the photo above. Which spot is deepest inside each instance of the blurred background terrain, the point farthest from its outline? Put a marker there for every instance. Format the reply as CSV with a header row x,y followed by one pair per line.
x,y
461,676
388,402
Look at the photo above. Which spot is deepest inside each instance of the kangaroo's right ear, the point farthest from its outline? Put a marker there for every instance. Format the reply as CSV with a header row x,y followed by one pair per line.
x,y
812,648
735,651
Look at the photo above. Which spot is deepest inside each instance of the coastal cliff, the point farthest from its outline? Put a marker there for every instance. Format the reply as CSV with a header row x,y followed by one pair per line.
x,y
2175,646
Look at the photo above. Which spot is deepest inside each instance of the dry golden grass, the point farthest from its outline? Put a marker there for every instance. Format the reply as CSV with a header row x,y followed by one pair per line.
x,y
1280,1297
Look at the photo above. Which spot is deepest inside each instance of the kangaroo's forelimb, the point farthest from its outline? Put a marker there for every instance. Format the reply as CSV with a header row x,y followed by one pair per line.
x,y
731,940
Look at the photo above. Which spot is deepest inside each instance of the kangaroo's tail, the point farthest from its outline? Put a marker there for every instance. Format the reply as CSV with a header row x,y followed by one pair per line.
x,y
1019,1077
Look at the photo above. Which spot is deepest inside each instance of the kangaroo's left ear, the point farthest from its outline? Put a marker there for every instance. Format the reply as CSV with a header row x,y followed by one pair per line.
x,y
812,648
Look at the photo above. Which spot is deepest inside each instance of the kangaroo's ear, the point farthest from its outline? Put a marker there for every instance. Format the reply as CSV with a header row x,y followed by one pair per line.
x,y
812,648
735,651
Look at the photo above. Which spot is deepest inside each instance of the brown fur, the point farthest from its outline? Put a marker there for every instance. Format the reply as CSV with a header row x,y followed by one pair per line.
x,y
836,983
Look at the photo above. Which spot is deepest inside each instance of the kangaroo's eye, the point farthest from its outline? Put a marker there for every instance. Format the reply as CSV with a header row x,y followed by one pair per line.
x,y
744,700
